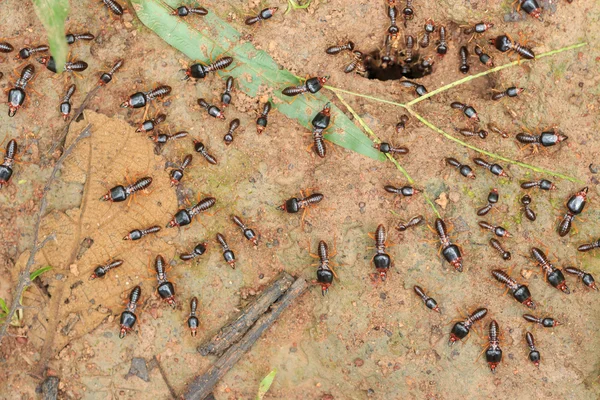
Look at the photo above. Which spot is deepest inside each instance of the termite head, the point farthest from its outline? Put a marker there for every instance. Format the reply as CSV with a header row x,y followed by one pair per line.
x,y
530,303
323,79
563,287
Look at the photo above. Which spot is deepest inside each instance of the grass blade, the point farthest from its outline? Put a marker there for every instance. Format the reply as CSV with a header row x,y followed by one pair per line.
x,y
39,272
265,384
252,69
4,307
52,14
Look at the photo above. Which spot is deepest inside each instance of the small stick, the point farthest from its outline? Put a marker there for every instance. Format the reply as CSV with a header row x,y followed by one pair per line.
x,y
204,384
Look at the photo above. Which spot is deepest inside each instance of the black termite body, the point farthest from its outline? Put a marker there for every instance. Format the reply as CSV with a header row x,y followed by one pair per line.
x,y
405,191
534,355
248,233
320,123
414,221
114,7
200,71
401,126
546,322
504,43
493,354
165,289
6,168
312,85
226,96
140,99
228,255
468,110
419,89
545,139
6,47
74,37
185,216
295,204
461,329
50,63
543,184
408,12
107,77
137,234
463,57
392,13
233,125
200,148
262,120
193,321
176,174
553,275
381,260
442,47
520,292
162,138
102,270
493,128
429,302
492,199
429,28
408,51
128,317
450,251
464,169
387,148
493,168
480,27
529,213
590,246
324,272
263,15
387,58
482,133
532,8
497,230
150,124
510,92
121,193
575,206
65,106
356,61
496,245
184,11
339,48
17,95
586,277
198,250
484,58
27,52
212,110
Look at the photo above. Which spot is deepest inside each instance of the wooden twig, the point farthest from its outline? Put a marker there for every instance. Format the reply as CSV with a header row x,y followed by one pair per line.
x,y
232,332
24,280
164,376
204,384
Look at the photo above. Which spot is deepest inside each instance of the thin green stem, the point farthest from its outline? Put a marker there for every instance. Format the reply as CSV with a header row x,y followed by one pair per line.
x,y
392,159
365,96
489,71
490,154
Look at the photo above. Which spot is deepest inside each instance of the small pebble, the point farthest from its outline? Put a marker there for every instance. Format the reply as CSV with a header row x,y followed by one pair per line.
x,y
358,362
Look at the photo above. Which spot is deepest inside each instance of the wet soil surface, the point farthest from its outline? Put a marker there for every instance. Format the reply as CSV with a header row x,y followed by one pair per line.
x,y
365,338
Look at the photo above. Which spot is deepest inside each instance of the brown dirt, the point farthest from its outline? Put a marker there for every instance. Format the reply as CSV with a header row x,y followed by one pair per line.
x,y
364,339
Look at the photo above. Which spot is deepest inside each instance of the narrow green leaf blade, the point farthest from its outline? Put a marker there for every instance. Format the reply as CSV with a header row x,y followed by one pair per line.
x,y
53,13
39,272
252,70
3,306
265,384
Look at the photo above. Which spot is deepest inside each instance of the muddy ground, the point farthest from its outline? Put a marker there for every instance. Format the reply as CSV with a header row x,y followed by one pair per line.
x,y
365,339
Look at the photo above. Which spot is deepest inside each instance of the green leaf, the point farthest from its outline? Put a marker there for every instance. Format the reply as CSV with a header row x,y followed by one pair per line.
x,y
53,13
3,306
265,384
252,69
40,271
293,5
